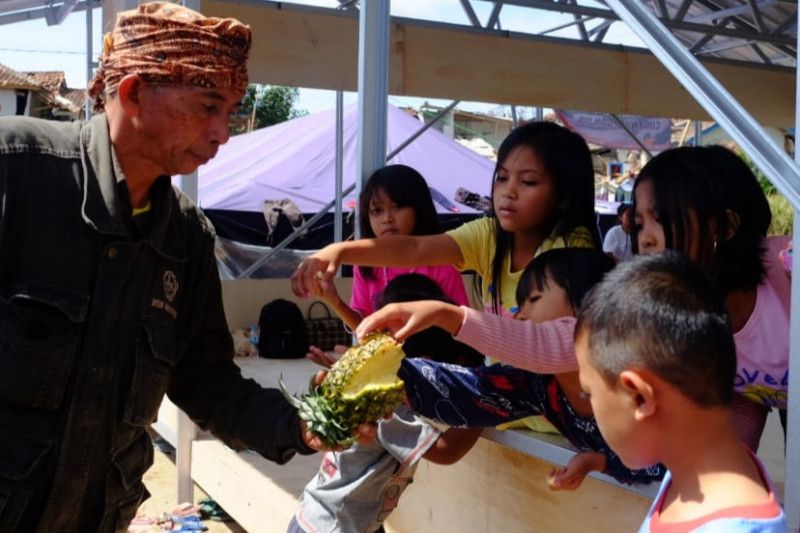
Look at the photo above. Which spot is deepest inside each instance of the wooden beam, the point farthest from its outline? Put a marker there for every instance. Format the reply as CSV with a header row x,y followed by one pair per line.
x,y
312,47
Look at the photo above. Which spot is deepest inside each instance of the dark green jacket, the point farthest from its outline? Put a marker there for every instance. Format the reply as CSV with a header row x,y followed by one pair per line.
x,y
101,313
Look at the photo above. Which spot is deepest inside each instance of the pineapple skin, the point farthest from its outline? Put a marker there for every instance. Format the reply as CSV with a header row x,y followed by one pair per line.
x,y
334,415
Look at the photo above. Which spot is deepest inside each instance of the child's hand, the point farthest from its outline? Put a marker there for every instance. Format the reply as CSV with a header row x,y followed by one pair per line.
x,y
315,272
405,319
785,256
571,476
323,358
327,291
561,478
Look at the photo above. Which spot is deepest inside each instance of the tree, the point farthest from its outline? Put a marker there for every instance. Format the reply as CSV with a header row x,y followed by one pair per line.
x,y
265,105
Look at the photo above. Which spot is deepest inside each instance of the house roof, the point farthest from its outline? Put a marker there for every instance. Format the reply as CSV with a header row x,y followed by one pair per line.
x,y
50,87
76,96
53,80
11,79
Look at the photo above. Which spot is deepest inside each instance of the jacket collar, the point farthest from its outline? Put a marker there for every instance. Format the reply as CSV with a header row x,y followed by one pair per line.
x,y
106,205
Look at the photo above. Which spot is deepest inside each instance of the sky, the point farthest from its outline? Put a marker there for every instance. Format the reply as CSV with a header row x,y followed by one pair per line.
x,y
33,45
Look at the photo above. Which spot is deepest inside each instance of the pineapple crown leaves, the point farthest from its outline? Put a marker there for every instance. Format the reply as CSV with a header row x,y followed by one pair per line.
x,y
320,418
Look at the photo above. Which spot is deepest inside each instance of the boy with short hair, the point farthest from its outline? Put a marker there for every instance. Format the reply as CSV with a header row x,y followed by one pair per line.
x,y
657,360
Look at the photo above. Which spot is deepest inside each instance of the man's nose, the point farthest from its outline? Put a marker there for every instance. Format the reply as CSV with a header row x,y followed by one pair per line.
x,y
219,130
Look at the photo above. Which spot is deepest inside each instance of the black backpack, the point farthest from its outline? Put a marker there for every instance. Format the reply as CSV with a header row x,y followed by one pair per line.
x,y
282,332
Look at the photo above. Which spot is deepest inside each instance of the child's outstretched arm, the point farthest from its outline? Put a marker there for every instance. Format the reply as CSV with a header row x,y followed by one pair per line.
x,y
546,348
330,295
396,250
404,319
571,476
452,445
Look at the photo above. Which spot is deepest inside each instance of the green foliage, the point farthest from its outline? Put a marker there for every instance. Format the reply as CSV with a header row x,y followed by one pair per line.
x,y
766,185
782,214
265,105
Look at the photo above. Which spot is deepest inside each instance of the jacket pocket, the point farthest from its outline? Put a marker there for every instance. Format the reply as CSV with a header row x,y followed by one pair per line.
x,y
156,354
39,331
20,456
4,496
131,462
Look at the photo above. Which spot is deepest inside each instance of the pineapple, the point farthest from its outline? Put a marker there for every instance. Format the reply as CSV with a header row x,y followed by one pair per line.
x,y
361,387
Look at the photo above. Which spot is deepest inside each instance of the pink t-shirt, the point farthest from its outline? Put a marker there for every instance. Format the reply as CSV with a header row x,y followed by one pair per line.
x,y
762,345
366,292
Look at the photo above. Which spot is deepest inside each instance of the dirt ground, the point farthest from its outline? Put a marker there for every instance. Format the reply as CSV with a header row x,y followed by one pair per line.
x,y
161,481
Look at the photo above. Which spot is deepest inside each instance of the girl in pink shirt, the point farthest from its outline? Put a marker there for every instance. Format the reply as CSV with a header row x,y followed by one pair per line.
x,y
394,201
706,203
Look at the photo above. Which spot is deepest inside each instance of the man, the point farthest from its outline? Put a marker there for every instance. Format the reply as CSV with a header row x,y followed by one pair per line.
x,y
109,292
617,242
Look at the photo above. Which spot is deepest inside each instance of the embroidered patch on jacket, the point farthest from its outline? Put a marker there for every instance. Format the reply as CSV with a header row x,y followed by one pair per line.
x,y
170,285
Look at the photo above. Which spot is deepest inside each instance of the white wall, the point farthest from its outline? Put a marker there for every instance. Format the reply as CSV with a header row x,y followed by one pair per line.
x,y
8,103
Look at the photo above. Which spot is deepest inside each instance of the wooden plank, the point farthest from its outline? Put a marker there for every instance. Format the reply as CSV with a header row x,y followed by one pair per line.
x,y
494,488
308,47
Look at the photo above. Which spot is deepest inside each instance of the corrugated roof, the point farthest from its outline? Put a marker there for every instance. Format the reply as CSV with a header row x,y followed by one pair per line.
x,y
755,32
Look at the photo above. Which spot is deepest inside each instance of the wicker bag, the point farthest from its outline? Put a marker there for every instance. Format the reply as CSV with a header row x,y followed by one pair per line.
x,y
327,331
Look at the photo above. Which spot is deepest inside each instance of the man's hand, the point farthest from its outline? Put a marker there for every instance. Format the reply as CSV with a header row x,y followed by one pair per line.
x,y
405,319
365,433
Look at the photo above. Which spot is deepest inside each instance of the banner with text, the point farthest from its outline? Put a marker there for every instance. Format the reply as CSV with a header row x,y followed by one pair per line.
x,y
601,129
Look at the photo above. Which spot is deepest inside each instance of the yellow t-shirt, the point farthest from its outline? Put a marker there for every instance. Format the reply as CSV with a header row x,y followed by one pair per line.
x,y
477,243
141,210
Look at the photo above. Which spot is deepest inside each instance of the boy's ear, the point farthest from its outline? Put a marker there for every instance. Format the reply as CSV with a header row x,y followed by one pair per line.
x,y
733,223
129,92
641,393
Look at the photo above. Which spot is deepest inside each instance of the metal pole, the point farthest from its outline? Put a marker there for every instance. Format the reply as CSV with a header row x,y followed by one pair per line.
x,y
631,134
539,114
713,97
698,133
337,214
373,83
791,491
290,238
422,130
337,202
87,103
514,117
186,430
771,159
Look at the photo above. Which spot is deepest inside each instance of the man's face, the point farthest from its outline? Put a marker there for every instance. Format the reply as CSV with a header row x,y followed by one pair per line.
x,y
182,127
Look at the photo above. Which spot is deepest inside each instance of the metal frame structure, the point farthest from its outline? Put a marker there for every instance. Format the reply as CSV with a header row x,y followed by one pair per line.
x,y
677,32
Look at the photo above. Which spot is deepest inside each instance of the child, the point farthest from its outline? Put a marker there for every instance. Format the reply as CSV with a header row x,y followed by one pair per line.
x,y
552,286
706,203
617,242
657,361
542,197
394,201
357,488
